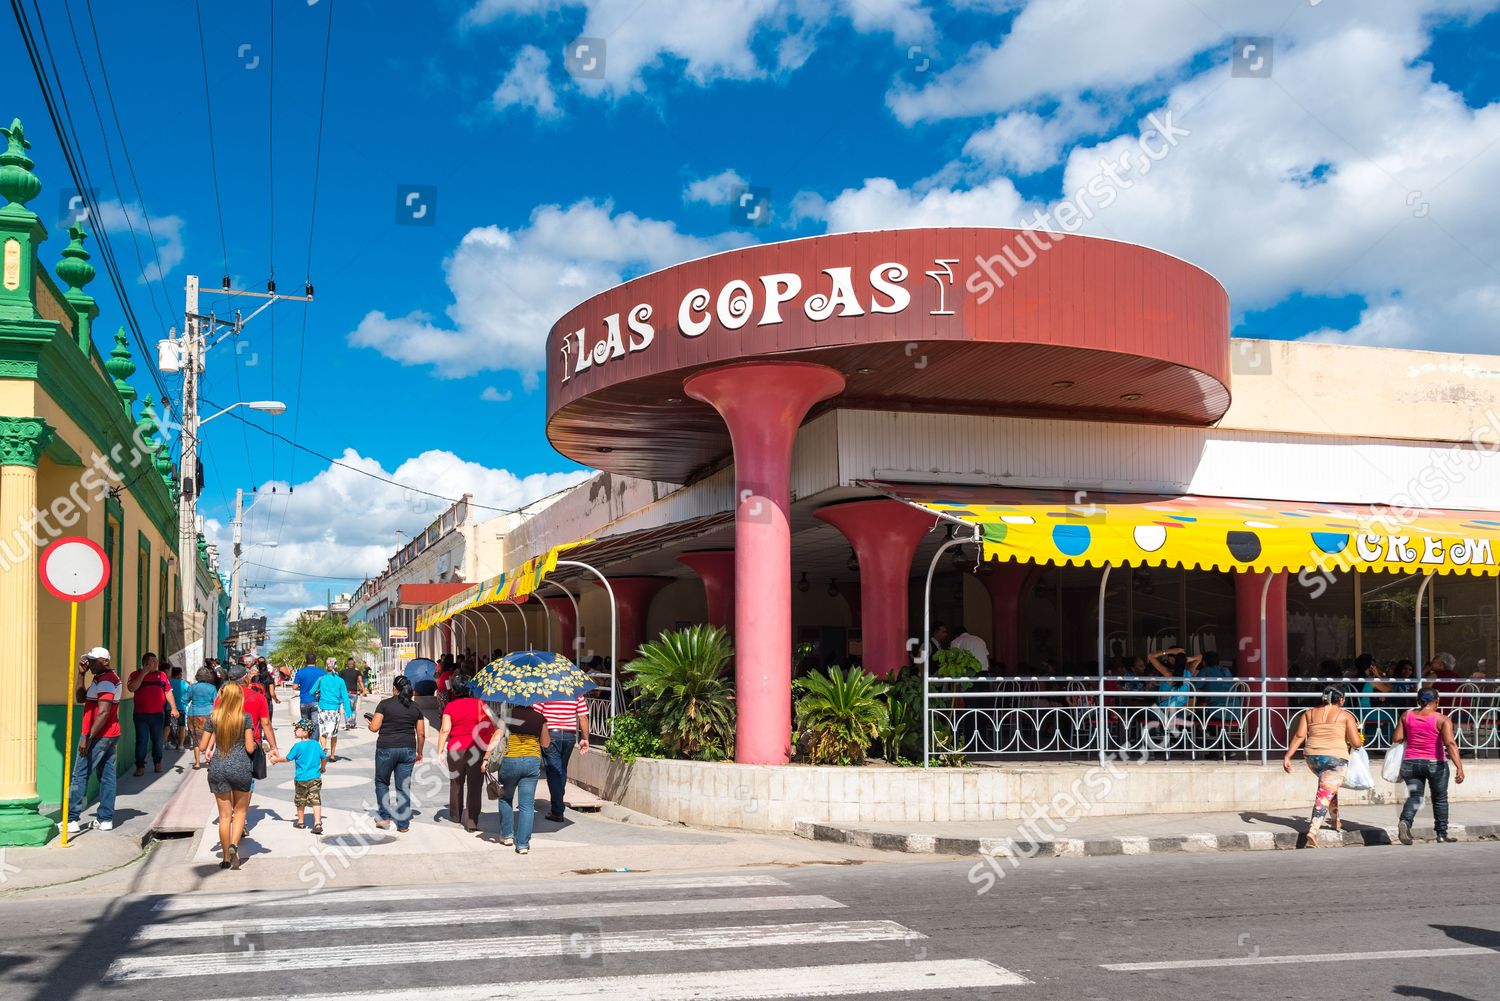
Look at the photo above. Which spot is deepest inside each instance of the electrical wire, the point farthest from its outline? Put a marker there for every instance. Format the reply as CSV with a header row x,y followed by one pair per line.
x,y
311,230
151,286
213,159
78,171
376,476
296,573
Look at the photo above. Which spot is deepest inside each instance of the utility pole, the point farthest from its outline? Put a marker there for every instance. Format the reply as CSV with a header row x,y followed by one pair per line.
x,y
236,607
188,354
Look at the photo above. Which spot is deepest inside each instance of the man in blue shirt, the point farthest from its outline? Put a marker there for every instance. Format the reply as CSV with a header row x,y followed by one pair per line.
x,y
305,679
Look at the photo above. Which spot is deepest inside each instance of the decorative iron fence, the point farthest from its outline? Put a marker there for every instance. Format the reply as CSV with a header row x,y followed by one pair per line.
x,y
1075,716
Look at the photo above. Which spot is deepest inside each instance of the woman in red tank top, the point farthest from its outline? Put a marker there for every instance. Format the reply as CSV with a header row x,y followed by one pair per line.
x,y
1428,735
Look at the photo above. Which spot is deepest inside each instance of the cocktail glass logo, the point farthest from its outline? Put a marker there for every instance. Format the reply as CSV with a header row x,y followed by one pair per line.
x,y
416,205
1251,56
750,206
1249,358
584,58
73,207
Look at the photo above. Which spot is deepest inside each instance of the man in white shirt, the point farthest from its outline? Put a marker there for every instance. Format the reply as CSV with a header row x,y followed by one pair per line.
x,y
965,640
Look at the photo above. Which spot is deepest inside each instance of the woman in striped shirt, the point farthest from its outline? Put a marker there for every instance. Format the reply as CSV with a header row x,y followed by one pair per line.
x,y
526,737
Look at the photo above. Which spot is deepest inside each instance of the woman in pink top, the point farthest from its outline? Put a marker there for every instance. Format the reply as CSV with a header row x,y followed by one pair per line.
x,y
1428,735
465,737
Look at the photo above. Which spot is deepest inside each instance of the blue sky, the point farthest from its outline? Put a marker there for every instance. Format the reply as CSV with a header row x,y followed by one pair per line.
x,y
1351,195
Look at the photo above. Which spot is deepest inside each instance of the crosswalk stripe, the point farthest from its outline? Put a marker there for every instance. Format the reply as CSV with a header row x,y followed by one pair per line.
x,y
504,948
724,985
360,895
455,916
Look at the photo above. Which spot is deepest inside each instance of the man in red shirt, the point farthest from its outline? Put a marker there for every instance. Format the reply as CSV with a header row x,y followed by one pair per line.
x,y
99,690
153,697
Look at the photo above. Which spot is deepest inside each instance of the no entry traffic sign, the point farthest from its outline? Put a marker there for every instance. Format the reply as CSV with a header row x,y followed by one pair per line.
x,y
74,568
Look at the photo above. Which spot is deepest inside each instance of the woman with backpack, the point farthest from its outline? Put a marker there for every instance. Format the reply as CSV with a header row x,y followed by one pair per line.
x,y
1428,735
1325,732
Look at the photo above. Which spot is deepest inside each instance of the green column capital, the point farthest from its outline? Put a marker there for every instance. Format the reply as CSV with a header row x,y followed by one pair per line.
x,y
22,440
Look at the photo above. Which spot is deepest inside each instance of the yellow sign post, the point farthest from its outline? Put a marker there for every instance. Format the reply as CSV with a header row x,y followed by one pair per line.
x,y
73,569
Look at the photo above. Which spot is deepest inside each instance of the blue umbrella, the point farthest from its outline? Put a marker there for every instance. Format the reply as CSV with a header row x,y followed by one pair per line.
x,y
530,677
420,669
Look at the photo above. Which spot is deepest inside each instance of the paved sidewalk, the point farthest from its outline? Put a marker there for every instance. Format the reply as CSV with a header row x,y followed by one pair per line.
x,y
1150,834
91,852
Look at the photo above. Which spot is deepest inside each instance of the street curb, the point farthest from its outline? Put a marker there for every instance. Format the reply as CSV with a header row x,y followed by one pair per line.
x,y
1247,841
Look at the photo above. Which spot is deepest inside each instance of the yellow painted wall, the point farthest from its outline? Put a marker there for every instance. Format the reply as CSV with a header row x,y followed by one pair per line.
x,y
52,644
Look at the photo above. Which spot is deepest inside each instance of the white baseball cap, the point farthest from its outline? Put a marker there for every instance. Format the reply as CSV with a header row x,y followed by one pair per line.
x,y
98,653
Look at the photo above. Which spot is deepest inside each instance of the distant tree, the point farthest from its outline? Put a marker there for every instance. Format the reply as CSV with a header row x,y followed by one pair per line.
x,y
323,637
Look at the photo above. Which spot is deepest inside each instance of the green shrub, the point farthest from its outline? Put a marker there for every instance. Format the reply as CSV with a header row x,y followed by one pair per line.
x,y
632,736
683,694
839,714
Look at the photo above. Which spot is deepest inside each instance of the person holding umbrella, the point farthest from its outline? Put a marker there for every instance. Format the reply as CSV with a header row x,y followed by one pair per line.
x,y
522,680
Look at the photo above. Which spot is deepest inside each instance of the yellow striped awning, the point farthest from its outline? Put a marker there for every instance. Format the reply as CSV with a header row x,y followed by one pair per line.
x,y
513,584
1085,528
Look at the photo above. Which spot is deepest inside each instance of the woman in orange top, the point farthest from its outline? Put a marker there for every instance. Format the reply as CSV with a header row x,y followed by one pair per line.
x,y
1328,731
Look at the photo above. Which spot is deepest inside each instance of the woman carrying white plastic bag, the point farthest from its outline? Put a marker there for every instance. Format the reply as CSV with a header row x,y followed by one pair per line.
x,y
1329,731
1390,769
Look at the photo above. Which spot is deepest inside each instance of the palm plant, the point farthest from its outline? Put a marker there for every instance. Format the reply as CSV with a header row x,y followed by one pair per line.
x,y
322,637
839,713
681,688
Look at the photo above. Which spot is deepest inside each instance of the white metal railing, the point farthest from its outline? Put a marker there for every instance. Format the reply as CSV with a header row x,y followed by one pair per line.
x,y
1074,716
599,718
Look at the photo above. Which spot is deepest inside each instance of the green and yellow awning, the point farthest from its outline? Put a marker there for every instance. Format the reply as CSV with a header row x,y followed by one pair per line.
x,y
509,586
1084,528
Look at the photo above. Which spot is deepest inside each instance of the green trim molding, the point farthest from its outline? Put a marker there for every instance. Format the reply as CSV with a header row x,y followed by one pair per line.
x,y
22,825
22,440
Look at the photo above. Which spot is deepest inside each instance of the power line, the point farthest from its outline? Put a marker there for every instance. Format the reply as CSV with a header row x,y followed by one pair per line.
x,y
311,230
79,174
213,159
376,476
296,573
110,160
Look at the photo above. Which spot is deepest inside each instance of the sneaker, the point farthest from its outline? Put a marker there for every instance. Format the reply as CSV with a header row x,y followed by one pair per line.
x,y
523,851
104,825
1446,839
140,769
507,841
383,824
1403,832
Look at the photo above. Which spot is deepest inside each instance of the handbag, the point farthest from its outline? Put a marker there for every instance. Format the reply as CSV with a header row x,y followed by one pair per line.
x,y
1390,769
1358,776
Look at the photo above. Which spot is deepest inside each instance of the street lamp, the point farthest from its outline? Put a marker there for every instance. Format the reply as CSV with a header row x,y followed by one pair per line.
x,y
273,407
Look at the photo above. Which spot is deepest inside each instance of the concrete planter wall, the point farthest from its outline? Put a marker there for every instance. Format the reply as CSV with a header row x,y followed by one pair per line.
x,y
772,798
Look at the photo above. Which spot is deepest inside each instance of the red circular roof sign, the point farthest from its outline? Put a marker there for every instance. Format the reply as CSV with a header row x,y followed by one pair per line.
x,y
74,568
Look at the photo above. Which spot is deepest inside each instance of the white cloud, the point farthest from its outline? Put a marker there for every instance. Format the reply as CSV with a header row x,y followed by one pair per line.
x,y
711,39
526,84
493,395
1027,143
1349,172
510,286
118,217
715,190
343,524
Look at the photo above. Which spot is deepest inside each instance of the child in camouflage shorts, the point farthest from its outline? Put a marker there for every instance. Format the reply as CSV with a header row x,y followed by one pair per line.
x,y
308,755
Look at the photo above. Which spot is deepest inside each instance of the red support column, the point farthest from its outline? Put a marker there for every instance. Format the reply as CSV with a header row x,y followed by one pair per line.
x,y
884,534
1006,582
763,403
1249,657
567,626
715,567
633,601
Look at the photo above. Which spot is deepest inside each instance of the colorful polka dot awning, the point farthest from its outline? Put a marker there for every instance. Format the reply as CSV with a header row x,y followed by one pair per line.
x,y
1084,528
513,584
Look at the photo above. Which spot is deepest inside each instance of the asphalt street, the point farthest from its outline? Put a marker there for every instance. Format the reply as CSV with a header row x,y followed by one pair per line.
x,y
1417,922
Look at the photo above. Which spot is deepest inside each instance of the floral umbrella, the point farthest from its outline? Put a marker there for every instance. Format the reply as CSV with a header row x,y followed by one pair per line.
x,y
530,677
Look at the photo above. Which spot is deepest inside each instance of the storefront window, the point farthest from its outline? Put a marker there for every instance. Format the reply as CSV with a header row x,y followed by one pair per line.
x,y
1320,623
1210,613
1388,624
1463,622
